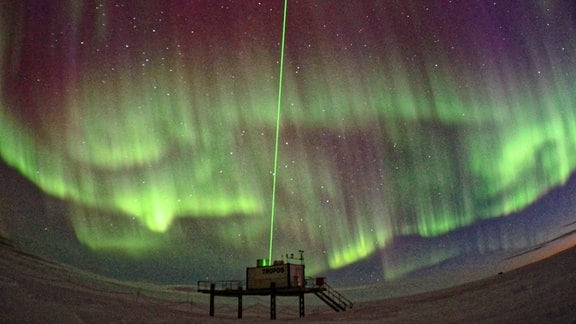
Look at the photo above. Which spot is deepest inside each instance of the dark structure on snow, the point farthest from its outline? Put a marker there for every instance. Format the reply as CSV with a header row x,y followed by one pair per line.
x,y
278,279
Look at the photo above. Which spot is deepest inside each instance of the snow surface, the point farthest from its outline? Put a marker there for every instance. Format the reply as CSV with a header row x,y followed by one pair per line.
x,y
38,290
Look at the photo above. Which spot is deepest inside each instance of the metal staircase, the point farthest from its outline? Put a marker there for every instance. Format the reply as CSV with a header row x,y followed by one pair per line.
x,y
334,299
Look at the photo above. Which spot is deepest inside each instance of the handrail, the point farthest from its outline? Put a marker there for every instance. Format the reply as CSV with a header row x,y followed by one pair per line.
x,y
335,295
220,285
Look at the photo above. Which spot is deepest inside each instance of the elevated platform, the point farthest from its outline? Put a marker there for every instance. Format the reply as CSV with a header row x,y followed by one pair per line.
x,y
235,288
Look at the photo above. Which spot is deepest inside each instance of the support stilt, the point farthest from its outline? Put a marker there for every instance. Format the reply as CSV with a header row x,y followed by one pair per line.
x,y
301,302
273,301
240,302
212,290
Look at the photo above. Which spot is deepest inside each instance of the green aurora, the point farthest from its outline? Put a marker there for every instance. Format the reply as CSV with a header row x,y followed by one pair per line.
x,y
381,136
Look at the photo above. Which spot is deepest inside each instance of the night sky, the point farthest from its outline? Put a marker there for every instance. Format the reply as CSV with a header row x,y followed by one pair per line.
x,y
137,137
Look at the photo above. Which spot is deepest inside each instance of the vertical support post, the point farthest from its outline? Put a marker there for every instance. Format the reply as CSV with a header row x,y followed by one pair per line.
x,y
301,302
240,301
212,292
273,301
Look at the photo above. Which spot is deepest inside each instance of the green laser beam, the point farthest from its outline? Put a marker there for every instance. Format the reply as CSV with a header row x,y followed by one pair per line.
x,y
278,110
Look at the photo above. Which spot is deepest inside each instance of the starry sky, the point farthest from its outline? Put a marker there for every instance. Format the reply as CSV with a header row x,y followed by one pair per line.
x,y
137,137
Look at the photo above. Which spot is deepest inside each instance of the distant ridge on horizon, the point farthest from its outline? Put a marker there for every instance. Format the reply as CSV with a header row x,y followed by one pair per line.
x,y
33,289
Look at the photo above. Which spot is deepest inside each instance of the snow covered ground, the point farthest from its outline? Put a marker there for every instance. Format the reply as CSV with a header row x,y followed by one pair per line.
x,y
37,290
